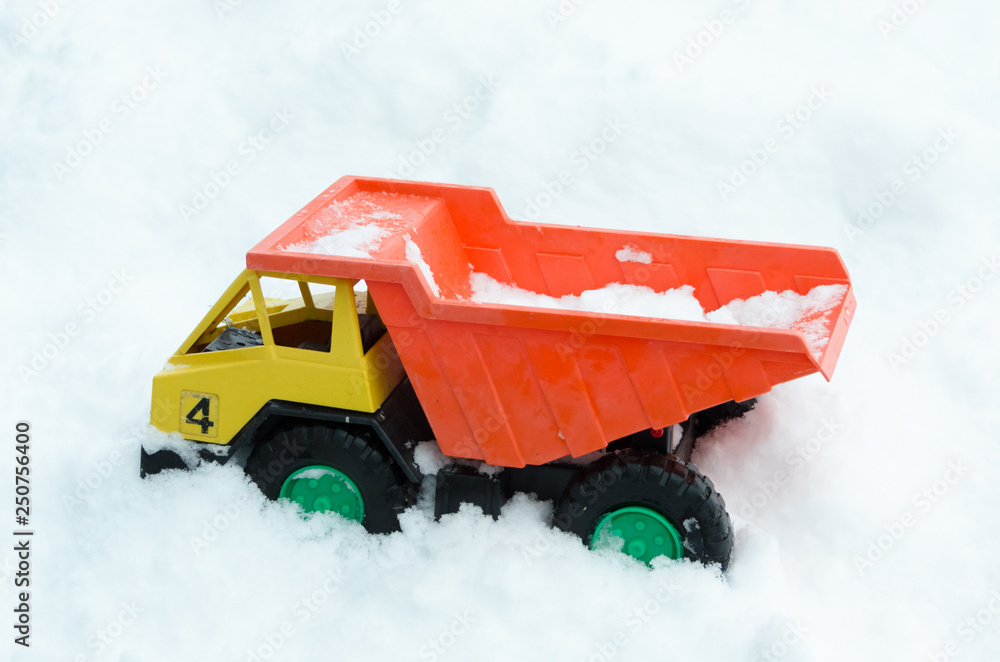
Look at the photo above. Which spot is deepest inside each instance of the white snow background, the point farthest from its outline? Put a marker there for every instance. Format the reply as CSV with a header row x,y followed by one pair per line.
x,y
894,463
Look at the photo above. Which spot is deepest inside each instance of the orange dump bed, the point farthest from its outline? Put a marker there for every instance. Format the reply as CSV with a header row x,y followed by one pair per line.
x,y
516,385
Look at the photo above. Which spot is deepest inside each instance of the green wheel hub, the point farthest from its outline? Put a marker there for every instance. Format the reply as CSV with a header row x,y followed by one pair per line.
x,y
322,489
640,532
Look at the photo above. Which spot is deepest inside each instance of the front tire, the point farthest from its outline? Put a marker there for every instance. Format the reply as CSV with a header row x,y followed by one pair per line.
x,y
331,469
648,505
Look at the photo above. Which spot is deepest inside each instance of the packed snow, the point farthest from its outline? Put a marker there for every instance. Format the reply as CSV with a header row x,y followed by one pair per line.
x,y
147,146
808,313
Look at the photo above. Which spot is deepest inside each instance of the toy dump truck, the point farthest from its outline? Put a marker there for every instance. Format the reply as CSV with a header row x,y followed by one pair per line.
x,y
389,313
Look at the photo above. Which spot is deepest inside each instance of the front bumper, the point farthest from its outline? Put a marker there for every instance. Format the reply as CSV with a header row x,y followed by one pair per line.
x,y
195,453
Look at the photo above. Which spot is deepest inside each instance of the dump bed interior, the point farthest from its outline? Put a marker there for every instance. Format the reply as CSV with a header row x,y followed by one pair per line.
x,y
461,229
519,385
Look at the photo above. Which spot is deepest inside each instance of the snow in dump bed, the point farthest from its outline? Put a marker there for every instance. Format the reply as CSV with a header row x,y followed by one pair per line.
x,y
806,313
413,256
354,227
613,299
356,241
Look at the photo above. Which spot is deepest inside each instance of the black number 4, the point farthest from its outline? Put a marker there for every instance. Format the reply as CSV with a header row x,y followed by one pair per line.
x,y
203,408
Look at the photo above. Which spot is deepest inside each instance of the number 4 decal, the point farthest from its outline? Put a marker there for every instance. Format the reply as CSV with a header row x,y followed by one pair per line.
x,y
199,414
201,408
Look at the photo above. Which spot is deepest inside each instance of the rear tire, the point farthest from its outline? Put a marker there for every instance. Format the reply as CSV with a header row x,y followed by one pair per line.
x,y
653,490
342,460
713,417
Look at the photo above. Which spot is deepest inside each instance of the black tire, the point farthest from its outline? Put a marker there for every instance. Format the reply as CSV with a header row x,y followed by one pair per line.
x,y
674,489
713,417
386,492
705,421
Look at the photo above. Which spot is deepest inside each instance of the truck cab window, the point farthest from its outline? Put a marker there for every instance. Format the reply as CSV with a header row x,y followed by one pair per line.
x,y
368,320
300,313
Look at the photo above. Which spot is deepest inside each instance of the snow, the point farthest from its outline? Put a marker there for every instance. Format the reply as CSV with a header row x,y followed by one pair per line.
x,y
351,228
614,299
429,458
590,118
630,253
807,313
413,256
355,241
316,473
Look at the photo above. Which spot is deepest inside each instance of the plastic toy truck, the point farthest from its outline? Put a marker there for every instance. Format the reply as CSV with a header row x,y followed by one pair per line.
x,y
359,330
